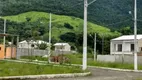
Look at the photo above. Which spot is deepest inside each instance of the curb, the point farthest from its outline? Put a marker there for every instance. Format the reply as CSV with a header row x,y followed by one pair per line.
x,y
47,76
116,69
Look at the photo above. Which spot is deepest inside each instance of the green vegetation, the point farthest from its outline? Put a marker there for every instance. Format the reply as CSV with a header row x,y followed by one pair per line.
x,y
59,23
34,25
110,13
18,69
114,65
34,58
77,59
139,79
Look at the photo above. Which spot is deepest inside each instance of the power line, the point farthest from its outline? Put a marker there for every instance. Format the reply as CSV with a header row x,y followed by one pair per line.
x,y
77,5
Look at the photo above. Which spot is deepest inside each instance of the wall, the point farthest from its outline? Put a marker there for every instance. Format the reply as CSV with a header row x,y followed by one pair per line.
x,y
119,58
30,52
63,48
24,45
10,52
1,52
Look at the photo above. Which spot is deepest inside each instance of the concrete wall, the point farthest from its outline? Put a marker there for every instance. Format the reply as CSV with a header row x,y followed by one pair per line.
x,y
30,52
1,52
10,52
119,58
63,48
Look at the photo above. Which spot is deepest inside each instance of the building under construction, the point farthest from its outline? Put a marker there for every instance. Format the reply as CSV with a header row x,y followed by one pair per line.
x,y
7,51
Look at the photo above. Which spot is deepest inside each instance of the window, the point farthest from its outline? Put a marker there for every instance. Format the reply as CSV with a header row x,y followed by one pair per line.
x,y
114,49
0,48
141,48
132,47
119,47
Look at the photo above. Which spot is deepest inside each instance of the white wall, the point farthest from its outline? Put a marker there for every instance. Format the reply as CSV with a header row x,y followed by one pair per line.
x,y
24,45
118,58
65,48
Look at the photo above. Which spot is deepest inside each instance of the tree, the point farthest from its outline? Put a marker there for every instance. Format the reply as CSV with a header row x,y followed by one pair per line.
x,y
42,46
126,31
67,25
68,37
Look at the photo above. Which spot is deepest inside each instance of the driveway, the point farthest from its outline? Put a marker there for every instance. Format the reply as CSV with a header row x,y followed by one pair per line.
x,y
104,74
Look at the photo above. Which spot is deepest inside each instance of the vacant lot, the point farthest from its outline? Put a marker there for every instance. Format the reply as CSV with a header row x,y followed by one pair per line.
x,y
17,69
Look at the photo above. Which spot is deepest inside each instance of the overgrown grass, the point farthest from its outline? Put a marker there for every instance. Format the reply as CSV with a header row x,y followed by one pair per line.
x,y
35,58
77,59
17,69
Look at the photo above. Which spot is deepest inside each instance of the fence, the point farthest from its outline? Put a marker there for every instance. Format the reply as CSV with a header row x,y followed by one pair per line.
x,y
30,52
119,58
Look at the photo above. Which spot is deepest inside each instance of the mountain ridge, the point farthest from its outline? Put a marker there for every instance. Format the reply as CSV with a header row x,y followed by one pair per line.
x,y
113,14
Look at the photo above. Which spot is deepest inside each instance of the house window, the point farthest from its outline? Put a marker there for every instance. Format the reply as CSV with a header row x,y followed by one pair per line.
x,y
114,49
0,48
132,47
141,48
32,45
119,47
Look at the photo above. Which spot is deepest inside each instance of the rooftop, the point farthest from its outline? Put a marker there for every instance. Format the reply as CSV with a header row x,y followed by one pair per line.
x,y
34,42
128,37
61,44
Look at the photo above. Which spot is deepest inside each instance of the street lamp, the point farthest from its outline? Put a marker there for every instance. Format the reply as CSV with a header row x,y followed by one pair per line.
x,y
94,40
84,63
135,36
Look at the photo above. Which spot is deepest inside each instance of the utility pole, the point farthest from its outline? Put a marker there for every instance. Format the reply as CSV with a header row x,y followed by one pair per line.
x,y
17,56
135,36
4,36
95,53
85,36
84,63
49,38
102,44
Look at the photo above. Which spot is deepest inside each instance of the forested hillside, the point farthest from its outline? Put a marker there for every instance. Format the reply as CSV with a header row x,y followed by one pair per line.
x,y
111,13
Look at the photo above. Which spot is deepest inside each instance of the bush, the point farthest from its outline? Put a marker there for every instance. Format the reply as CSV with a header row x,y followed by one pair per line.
x,y
67,25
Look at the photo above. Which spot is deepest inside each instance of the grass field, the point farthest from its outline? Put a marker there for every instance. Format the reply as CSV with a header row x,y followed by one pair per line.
x,y
17,69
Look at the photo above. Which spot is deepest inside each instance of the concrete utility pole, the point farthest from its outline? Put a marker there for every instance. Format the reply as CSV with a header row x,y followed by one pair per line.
x,y
84,65
135,36
49,38
102,44
17,47
4,33
95,53
85,36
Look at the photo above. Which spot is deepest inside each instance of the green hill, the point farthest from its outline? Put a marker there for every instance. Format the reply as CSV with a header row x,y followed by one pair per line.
x,y
58,23
35,25
109,13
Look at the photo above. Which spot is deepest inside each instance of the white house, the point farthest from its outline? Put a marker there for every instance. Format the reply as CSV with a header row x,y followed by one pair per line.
x,y
30,44
62,47
125,44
